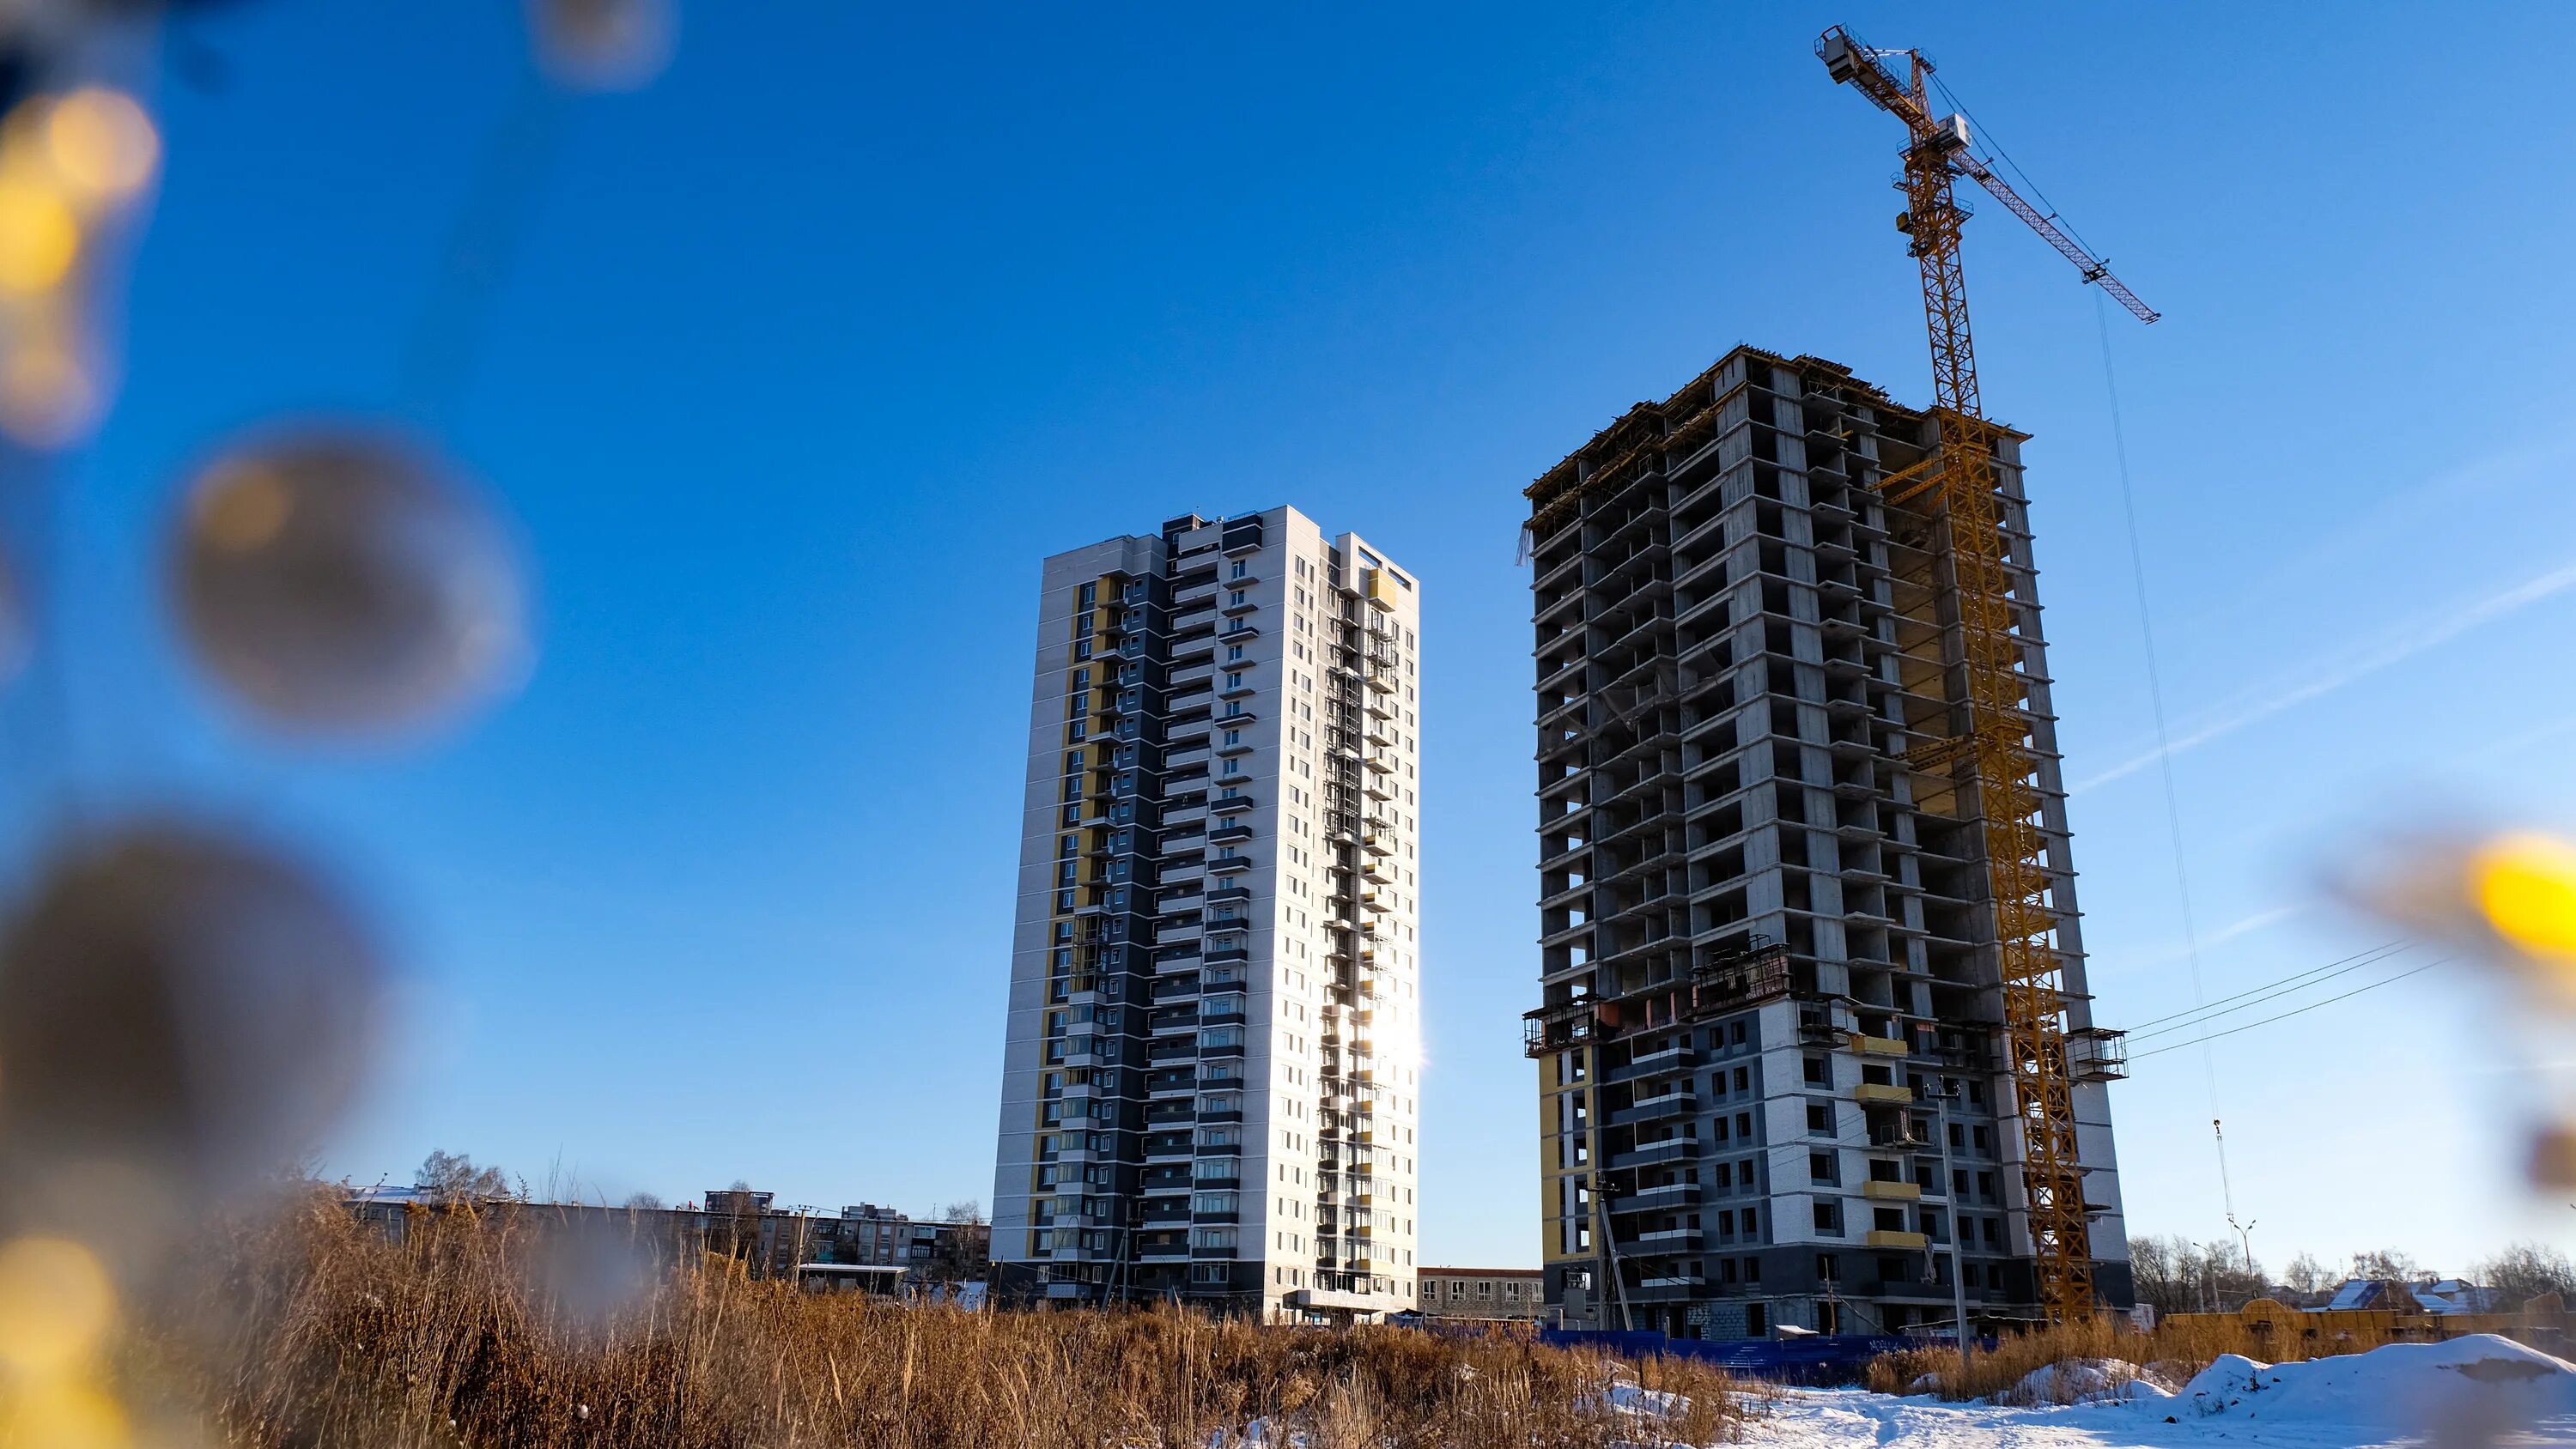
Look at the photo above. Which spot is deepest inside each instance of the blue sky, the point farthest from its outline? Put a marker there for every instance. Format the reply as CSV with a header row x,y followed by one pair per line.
x,y
809,353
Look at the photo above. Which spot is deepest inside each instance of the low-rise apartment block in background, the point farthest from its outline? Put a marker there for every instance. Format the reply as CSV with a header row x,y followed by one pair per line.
x,y
866,1246
1504,1293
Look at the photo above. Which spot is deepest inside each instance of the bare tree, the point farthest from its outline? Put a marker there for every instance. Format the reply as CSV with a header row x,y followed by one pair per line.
x,y
2156,1273
2307,1277
2176,1275
2524,1271
642,1202
2386,1264
448,1176
964,1247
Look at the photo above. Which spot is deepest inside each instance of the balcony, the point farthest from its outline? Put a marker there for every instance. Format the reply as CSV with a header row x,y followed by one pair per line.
x,y
1886,1191
1659,1196
1884,1238
1373,589
1660,1061
1871,1045
2097,1054
1655,1154
1882,1094
1658,1108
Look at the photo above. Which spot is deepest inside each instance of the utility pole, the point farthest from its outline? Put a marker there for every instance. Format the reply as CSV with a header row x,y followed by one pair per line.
x,y
1950,1191
1609,1256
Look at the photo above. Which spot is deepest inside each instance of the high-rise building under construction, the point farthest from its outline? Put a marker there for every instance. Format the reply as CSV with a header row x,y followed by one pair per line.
x,y
1211,1073
1772,1073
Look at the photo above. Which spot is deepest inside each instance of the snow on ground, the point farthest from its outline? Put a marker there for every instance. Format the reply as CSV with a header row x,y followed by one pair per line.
x,y
2475,1391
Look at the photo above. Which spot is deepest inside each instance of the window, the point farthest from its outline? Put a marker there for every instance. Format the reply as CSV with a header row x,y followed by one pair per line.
x,y
1829,1218
1820,1072
1820,1119
1820,1167
1735,1034
1233,652
1484,1287
1828,1267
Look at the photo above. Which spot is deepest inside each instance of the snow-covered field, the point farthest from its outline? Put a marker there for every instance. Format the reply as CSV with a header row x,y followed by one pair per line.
x,y
2476,1391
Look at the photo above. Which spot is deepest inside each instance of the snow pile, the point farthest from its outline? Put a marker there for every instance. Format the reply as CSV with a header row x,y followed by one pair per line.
x,y
2469,1388
2475,1391
2078,1381
1627,1398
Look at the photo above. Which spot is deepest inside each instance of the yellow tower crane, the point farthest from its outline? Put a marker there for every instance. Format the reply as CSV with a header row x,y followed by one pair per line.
x,y
1960,479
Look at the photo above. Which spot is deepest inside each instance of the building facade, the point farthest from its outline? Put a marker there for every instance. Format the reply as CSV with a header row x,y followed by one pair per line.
x,y
1212,1060
1508,1294
1767,936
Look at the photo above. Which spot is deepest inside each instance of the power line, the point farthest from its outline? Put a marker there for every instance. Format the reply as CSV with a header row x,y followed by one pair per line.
x,y
2156,699
2302,1011
2255,996
1985,138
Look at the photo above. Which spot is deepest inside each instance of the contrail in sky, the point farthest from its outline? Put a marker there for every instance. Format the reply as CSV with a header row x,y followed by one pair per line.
x,y
2404,645
2244,926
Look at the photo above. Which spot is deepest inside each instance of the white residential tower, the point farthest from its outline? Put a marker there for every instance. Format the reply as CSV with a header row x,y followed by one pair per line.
x,y
1212,1072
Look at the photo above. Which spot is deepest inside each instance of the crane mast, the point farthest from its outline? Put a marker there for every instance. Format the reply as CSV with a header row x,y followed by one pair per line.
x,y
1959,480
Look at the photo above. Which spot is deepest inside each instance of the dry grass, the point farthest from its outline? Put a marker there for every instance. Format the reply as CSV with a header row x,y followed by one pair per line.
x,y
312,1330
2173,1351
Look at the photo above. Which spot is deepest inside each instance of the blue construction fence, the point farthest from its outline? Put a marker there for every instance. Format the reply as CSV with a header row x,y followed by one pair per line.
x,y
1817,1359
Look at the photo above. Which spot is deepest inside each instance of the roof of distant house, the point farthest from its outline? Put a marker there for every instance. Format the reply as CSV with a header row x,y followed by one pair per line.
x,y
2387,1295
